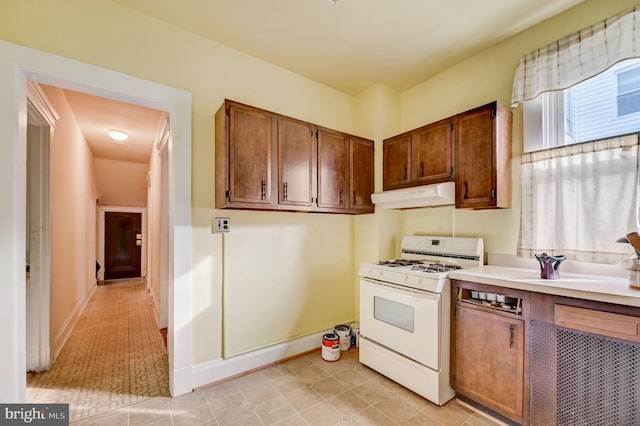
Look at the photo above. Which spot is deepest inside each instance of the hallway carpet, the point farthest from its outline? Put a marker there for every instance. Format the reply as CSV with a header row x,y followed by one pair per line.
x,y
114,357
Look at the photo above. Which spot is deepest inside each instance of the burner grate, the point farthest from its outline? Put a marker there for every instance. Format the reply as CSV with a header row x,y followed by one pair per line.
x,y
400,262
436,267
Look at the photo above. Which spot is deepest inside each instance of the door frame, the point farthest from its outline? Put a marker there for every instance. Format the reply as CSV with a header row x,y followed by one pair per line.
x,y
20,65
42,117
101,235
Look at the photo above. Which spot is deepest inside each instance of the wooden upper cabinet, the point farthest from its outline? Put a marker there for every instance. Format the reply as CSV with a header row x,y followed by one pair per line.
x,y
472,148
361,173
483,145
419,157
266,161
296,162
396,162
245,147
333,160
432,153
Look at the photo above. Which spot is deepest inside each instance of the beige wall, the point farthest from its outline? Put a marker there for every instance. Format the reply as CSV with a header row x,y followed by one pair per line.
x,y
73,215
112,176
281,273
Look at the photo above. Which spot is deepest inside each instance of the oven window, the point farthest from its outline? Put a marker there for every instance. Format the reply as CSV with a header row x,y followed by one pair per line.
x,y
394,313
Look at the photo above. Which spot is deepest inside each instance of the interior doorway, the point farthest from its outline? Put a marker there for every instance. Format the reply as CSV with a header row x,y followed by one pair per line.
x,y
21,65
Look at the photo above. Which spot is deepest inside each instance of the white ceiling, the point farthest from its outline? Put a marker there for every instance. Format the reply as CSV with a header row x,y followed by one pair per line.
x,y
353,44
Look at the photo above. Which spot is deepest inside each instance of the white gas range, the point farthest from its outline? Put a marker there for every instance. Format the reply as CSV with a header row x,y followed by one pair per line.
x,y
405,308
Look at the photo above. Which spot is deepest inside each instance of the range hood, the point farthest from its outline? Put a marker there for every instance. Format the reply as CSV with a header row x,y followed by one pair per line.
x,y
439,194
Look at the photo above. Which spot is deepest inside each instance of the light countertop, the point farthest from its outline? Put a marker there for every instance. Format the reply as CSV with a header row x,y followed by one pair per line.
x,y
612,288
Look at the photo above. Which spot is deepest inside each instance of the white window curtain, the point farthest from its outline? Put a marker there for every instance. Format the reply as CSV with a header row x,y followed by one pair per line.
x,y
578,200
578,56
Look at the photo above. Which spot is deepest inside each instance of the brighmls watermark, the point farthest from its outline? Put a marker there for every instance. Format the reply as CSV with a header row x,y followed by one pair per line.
x,y
34,414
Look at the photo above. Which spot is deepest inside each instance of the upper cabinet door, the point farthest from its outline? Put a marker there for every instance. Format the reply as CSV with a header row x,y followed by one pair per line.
x,y
484,157
362,175
333,155
396,159
432,153
296,165
251,141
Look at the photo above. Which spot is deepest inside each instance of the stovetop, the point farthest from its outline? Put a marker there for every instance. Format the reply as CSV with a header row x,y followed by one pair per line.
x,y
426,266
426,262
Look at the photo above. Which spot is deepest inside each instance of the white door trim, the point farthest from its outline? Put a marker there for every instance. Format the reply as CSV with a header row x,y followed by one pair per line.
x,y
19,65
41,117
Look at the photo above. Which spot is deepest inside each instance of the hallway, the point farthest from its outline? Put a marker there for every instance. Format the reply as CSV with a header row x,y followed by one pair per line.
x,y
114,357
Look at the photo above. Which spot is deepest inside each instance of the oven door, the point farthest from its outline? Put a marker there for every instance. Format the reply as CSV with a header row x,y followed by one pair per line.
x,y
404,320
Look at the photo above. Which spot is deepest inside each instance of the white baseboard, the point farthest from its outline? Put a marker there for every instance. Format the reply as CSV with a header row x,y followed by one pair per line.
x,y
63,333
213,371
154,305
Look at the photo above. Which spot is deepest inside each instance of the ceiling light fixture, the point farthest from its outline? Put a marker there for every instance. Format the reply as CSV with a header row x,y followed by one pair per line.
x,y
118,136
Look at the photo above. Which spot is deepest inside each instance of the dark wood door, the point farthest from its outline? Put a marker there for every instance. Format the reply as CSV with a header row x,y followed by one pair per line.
x,y
122,231
476,146
362,175
488,361
297,160
251,146
396,161
333,153
432,150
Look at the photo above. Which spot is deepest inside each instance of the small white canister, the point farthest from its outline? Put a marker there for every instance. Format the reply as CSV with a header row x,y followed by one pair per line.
x,y
330,347
344,332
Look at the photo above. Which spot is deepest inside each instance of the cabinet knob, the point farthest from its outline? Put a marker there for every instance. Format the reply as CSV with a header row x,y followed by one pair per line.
x,y
285,187
263,191
405,171
421,169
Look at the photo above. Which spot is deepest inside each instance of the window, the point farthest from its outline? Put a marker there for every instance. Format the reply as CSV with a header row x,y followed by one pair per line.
x,y
580,167
581,97
629,92
601,107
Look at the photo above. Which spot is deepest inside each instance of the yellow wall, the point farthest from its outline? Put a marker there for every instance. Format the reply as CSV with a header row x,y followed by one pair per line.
x,y
478,80
285,274
319,245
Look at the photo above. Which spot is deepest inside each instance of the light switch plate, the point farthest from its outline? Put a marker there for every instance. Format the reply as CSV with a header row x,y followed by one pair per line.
x,y
222,224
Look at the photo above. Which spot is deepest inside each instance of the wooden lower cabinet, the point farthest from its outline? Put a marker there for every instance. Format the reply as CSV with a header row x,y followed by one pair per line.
x,y
488,354
550,360
490,360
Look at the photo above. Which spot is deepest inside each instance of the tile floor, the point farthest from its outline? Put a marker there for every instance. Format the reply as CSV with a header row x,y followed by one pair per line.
x,y
302,391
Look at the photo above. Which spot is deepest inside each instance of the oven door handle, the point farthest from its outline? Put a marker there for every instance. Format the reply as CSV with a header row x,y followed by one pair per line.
x,y
404,290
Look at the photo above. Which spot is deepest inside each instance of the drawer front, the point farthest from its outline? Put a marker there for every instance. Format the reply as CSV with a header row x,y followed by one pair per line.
x,y
609,324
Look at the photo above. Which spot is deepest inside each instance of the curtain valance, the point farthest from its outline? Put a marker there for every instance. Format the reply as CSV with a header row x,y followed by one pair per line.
x,y
578,56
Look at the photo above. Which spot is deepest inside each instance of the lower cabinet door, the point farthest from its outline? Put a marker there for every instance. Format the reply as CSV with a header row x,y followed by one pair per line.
x,y
488,360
